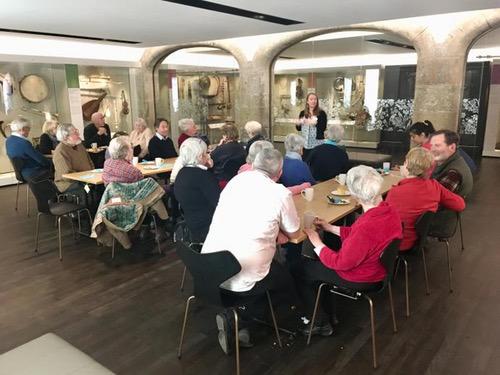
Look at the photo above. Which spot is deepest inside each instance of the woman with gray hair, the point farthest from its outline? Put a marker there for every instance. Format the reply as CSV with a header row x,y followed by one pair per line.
x,y
118,167
329,160
255,148
254,131
69,156
140,137
357,263
196,188
295,171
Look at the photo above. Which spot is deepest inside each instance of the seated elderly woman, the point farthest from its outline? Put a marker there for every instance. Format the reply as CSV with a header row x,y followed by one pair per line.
x,y
356,264
416,194
328,159
254,131
70,156
295,171
118,167
196,188
139,138
48,139
229,155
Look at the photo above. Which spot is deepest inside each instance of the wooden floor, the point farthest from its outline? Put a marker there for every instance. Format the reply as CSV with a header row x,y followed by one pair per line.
x,y
127,314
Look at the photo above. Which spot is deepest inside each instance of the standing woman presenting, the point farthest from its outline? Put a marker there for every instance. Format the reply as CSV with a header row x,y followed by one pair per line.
x,y
312,124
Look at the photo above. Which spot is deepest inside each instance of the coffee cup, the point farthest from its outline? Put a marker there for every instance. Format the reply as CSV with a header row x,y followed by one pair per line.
x,y
341,178
158,162
94,146
135,160
308,219
308,194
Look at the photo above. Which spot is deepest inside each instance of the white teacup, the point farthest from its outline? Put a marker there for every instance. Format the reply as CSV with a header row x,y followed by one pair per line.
x,y
308,194
308,219
341,178
135,160
158,162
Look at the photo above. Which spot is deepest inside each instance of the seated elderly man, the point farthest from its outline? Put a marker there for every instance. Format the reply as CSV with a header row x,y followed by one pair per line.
x,y
229,155
36,167
453,173
118,167
416,194
97,131
295,171
161,145
252,209
196,188
254,131
70,156
357,263
328,159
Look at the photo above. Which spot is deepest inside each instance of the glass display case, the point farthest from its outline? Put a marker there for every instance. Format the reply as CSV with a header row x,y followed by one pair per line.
x,y
349,98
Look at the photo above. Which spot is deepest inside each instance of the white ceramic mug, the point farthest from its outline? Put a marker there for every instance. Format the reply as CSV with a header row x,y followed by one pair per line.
x,y
341,178
308,194
308,219
158,162
386,166
135,160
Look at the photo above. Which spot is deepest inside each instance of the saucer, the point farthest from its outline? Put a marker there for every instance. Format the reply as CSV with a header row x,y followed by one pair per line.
x,y
338,201
341,193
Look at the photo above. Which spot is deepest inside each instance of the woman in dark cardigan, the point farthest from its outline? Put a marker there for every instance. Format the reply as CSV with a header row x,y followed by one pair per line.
x,y
48,139
312,124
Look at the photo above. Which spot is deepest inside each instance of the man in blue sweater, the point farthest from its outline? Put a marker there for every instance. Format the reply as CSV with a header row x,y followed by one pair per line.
x,y
36,167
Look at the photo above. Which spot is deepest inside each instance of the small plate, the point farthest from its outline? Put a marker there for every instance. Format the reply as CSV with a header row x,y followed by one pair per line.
x,y
337,201
151,167
382,172
344,193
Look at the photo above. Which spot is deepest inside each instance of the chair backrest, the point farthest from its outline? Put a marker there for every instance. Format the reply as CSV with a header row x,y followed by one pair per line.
x,y
444,224
388,258
422,226
232,165
44,191
208,271
18,164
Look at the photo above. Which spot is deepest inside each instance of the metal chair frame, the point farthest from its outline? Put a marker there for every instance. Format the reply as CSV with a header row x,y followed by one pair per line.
x,y
357,295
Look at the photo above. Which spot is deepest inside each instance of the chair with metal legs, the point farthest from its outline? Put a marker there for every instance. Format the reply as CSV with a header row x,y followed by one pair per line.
x,y
209,271
445,234
422,226
182,234
17,164
49,202
388,259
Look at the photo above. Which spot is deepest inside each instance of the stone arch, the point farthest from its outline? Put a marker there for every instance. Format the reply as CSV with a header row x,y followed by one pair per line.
x,y
151,60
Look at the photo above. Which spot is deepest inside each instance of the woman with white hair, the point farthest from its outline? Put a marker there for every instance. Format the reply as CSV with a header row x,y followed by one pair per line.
x,y
196,188
329,160
357,263
188,129
295,171
48,139
254,131
118,167
69,156
139,138
254,149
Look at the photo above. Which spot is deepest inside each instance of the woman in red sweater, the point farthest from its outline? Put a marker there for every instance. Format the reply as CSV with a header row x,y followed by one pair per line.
x,y
416,194
356,264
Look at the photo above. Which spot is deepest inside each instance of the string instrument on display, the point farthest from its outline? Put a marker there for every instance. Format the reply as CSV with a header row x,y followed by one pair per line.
x,y
92,106
125,110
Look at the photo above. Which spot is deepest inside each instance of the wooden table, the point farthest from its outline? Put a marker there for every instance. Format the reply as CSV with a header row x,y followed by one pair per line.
x,y
97,150
321,208
94,177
